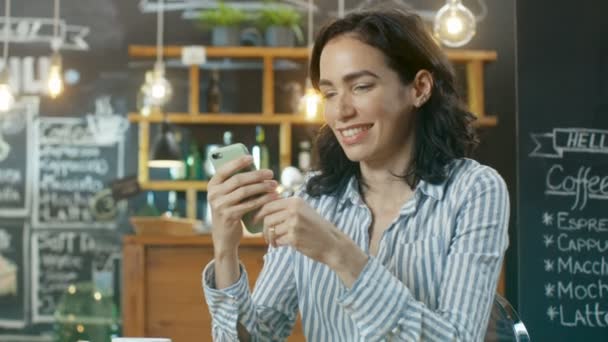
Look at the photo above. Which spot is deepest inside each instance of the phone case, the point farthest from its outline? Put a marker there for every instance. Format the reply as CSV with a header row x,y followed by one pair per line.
x,y
221,156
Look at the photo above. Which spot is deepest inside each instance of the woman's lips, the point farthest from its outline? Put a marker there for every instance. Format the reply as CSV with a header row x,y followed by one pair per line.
x,y
353,135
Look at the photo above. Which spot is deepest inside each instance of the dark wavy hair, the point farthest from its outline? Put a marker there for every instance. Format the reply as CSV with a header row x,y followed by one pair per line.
x,y
443,127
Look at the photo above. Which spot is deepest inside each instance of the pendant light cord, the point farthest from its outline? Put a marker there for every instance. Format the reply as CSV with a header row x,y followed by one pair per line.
x,y
55,44
310,23
159,31
7,24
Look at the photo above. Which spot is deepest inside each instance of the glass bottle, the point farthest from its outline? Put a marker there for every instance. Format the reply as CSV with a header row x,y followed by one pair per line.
x,y
304,156
149,209
194,163
214,93
261,156
227,138
172,210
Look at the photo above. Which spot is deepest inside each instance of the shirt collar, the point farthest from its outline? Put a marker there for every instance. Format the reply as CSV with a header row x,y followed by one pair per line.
x,y
351,192
435,191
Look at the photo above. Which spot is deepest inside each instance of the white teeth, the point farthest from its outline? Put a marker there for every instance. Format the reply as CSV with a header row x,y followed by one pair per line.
x,y
353,131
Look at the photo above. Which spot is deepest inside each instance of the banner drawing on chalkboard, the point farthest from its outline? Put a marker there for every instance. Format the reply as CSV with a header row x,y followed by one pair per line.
x,y
64,259
73,169
41,30
13,274
554,144
16,171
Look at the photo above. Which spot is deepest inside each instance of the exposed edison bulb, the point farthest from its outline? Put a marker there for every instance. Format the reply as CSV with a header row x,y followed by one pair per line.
x,y
7,100
157,89
454,24
143,99
55,80
313,100
311,103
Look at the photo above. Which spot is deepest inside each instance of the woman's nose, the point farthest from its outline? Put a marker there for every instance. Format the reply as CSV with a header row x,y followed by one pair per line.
x,y
346,108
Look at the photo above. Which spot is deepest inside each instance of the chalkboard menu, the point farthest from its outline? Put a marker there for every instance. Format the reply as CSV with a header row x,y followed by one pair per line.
x,y
15,169
563,171
61,259
73,169
13,271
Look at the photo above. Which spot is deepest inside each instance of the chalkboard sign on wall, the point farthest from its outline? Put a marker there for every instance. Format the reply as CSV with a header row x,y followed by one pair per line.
x,y
13,273
72,168
61,259
15,170
563,171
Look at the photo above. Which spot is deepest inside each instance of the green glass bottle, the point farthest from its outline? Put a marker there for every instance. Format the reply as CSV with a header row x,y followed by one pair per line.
x,y
149,209
261,156
194,163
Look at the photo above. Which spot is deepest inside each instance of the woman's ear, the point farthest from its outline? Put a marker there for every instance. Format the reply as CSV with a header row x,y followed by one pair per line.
x,y
422,87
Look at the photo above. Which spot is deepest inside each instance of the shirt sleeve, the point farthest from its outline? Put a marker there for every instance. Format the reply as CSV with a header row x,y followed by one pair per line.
x,y
268,315
382,307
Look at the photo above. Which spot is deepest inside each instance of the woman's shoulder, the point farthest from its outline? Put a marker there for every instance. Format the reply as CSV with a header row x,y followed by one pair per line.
x,y
464,173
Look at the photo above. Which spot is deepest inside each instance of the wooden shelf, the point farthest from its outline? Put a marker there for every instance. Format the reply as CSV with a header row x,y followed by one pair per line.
x,y
196,240
226,118
252,119
473,59
486,121
146,51
176,185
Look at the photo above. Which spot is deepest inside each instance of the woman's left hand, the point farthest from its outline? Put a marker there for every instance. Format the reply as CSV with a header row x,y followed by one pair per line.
x,y
292,222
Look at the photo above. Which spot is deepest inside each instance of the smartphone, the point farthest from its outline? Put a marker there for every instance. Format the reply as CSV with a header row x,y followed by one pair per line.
x,y
221,156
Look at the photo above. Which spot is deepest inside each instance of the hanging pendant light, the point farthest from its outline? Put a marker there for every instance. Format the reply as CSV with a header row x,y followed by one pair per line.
x,y
156,89
55,81
454,24
55,76
7,99
165,152
311,102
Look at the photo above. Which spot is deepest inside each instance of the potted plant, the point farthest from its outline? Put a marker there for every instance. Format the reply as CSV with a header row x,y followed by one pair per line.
x,y
225,24
281,25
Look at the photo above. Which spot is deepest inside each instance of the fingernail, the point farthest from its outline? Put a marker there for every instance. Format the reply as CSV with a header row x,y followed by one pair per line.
x,y
268,173
248,158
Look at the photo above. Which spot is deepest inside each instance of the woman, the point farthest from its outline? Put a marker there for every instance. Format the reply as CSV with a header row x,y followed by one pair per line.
x,y
397,236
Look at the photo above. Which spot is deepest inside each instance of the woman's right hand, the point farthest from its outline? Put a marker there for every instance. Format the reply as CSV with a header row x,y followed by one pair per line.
x,y
231,195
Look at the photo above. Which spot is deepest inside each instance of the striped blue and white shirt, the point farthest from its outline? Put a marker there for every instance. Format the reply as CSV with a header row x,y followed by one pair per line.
x,y
434,277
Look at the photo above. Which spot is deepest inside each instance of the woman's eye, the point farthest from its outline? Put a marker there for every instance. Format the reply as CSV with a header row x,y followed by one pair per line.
x,y
361,88
328,95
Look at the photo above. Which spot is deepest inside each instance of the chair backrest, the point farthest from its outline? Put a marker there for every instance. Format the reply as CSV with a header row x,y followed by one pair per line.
x,y
504,324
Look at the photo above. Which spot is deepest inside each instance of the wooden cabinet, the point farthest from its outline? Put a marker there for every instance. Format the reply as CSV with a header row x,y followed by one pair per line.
x,y
162,294
473,61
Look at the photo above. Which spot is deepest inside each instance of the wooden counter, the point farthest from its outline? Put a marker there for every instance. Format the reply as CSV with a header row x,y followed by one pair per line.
x,y
162,295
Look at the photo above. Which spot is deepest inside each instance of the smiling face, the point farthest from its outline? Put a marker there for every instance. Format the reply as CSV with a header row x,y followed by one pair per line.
x,y
369,109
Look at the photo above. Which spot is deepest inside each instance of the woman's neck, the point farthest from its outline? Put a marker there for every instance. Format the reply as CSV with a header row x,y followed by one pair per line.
x,y
384,182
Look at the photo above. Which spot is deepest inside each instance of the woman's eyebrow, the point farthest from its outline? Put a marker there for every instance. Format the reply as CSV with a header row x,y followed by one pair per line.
x,y
349,77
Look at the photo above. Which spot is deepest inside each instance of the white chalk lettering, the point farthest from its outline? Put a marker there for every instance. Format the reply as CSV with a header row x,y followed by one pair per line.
x,y
594,290
5,240
590,316
58,243
582,187
567,244
10,176
568,223
598,266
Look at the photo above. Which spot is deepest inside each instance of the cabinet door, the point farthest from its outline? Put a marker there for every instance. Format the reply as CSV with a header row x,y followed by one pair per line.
x,y
175,306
